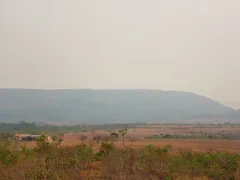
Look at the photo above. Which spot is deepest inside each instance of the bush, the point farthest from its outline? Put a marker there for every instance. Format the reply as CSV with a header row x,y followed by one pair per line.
x,y
8,156
80,162
82,155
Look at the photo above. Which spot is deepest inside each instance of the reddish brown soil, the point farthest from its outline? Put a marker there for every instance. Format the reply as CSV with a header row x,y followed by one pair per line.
x,y
140,133
195,145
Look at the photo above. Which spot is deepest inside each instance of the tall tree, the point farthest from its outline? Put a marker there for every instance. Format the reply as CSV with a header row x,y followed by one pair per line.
x,y
123,133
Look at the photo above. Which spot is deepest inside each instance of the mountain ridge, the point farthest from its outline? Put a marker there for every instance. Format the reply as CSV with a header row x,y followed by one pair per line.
x,y
107,105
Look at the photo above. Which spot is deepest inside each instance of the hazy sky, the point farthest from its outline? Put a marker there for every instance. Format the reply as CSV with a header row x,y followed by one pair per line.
x,y
162,44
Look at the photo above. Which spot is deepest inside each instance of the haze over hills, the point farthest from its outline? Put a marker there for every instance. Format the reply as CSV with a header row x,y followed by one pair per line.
x,y
107,106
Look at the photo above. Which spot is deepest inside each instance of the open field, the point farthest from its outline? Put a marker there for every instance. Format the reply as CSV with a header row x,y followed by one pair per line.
x,y
145,131
194,144
139,133
142,132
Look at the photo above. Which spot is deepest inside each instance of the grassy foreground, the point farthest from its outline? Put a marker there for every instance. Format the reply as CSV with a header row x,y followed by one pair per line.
x,y
50,161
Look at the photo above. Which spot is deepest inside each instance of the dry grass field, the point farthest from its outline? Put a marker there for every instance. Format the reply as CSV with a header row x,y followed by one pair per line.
x,y
194,144
73,139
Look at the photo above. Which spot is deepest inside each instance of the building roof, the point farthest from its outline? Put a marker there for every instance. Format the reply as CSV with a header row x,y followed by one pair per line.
x,y
27,135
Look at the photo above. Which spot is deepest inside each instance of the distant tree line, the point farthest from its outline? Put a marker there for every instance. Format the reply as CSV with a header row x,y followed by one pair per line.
x,y
222,135
26,127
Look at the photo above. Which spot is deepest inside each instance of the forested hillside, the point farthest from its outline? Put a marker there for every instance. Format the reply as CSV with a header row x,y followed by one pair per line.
x,y
106,106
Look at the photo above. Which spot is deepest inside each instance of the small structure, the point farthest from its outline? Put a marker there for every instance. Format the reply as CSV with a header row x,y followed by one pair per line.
x,y
27,137
31,137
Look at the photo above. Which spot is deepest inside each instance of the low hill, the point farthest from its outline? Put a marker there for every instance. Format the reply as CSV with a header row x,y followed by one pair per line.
x,y
106,106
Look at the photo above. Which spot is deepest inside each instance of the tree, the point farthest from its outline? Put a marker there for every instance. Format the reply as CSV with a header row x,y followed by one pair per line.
x,y
43,143
123,133
57,138
106,148
114,137
97,138
83,138
105,138
131,139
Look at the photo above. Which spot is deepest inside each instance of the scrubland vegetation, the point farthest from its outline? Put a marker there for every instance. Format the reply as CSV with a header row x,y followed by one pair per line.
x,y
51,161
226,136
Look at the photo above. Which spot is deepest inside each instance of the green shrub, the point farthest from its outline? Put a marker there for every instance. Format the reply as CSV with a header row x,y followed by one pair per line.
x,y
83,154
8,156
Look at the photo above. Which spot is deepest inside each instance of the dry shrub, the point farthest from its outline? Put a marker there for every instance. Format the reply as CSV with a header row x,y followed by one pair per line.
x,y
50,162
